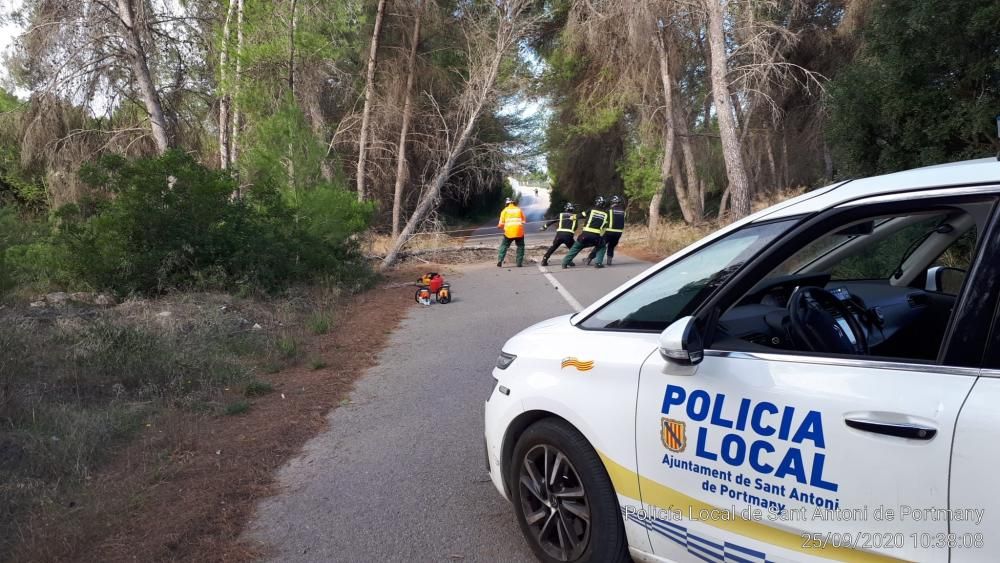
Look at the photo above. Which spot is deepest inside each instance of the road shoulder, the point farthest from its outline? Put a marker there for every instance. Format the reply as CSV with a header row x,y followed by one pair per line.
x,y
188,484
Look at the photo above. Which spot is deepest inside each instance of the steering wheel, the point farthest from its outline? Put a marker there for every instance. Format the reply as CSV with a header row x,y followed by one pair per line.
x,y
813,314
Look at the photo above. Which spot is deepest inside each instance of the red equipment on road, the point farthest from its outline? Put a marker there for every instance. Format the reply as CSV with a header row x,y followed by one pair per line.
x,y
432,283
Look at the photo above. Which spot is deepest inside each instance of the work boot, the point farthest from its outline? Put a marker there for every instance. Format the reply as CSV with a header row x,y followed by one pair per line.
x,y
519,264
499,264
610,258
572,265
598,265
564,266
545,262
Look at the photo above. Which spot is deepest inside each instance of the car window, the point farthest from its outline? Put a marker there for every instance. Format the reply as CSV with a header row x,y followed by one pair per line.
x,y
880,260
679,288
817,249
882,287
862,260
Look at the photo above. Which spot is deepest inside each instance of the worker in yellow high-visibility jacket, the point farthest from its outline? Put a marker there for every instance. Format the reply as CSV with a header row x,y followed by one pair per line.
x,y
512,222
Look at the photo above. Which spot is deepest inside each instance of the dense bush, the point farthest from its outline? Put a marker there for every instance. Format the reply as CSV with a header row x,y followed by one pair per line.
x,y
923,90
640,172
170,223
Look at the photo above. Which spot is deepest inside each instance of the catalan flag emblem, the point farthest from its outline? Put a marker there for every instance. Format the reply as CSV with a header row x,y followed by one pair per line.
x,y
579,365
672,434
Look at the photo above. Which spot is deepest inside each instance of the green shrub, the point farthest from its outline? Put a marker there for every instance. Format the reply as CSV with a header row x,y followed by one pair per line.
x,y
257,388
8,228
319,323
170,223
640,172
317,364
287,347
237,407
915,95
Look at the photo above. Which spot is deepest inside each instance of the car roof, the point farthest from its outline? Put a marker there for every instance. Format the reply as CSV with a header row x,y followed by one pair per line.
x,y
964,173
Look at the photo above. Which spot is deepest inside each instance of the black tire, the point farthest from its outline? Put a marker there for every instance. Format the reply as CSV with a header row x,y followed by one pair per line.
x,y
445,299
559,534
416,296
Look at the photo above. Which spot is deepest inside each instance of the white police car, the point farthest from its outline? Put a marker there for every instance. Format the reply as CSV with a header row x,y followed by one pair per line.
x,y
819,381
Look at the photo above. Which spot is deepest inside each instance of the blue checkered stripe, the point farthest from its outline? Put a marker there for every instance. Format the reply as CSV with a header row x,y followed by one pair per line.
x,y
704,548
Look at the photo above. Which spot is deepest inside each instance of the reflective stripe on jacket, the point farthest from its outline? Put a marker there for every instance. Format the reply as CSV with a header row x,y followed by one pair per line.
x,y
597,222
617,223
567,223
512,221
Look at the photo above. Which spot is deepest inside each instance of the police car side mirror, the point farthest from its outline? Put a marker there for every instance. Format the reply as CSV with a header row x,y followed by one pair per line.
x,y
681,342
943,279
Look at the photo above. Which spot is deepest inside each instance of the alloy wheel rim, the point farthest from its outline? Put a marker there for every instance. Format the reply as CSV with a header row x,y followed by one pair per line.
x,y
554,503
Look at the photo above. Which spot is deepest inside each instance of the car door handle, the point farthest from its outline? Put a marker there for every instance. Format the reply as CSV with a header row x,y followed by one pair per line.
x,y
897,429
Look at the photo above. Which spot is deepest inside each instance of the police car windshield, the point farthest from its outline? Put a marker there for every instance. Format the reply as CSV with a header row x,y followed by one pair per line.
x,y
678,289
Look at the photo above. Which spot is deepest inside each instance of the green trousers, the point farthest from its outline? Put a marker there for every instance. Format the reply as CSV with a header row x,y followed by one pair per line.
x,y
586,240
506,244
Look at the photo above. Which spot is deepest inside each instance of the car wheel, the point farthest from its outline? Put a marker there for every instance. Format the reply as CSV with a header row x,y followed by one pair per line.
x,y
564,500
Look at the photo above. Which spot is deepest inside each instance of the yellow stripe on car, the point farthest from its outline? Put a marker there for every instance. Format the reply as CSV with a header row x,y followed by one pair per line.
x,y
628,483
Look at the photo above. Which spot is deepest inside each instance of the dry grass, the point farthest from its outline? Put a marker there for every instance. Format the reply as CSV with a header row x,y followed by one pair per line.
x,y
77,383
670,236
379,245
763,201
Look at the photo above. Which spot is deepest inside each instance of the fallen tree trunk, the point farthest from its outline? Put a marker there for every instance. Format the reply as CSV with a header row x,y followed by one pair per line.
x,y
479,90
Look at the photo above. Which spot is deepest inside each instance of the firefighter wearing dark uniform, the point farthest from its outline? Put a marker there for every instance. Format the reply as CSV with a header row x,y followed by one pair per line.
x,y
564,233
592,236
616,226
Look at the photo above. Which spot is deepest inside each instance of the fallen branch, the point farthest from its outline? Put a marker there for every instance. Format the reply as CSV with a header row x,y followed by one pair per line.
x,y
452,249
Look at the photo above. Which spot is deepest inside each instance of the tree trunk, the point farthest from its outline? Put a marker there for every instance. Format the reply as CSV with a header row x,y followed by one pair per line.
x,y
234,139
690,205
429,197
695,213
366,112
724,204
772,168
827,160
654,207
785,178
669,133
224,99
144,78
318,124
739,186
677,129
291,50
683,193
401,165
478,100
291,95
701,198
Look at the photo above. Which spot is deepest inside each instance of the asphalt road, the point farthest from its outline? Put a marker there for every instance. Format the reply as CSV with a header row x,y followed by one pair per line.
x,y
400,473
